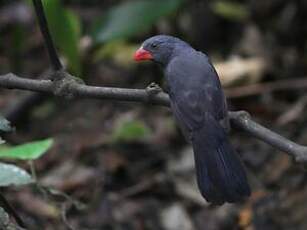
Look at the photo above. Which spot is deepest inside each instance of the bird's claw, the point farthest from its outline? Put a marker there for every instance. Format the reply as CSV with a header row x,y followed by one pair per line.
x,y
153,89
239,114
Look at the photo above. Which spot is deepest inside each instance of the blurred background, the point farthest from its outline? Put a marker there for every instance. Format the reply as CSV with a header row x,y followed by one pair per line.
x,y
125,166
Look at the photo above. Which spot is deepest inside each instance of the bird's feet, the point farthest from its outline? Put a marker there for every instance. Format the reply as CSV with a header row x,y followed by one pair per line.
x,y
153,89
239,114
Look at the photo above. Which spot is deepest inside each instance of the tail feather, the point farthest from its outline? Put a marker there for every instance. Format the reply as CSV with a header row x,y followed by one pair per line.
x,y
220,174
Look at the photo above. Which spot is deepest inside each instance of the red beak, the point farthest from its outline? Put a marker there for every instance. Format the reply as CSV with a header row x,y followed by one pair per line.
x,y
142,54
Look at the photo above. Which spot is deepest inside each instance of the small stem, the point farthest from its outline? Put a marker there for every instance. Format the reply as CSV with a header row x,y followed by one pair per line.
x,y
33,171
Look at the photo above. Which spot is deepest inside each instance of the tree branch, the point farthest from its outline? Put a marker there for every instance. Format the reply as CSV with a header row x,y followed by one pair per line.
x,y
243,121
43,25
73,89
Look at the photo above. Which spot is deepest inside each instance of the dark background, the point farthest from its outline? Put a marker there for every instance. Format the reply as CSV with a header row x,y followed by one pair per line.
x,y
122,165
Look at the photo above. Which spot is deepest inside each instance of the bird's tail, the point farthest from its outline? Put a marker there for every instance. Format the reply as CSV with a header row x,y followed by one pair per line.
x,y
220,174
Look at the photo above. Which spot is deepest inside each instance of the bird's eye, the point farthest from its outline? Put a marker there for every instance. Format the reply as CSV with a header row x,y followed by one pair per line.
x,y
154,45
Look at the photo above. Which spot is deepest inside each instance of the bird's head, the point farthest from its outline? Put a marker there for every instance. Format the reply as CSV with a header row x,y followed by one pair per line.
x,y
159,49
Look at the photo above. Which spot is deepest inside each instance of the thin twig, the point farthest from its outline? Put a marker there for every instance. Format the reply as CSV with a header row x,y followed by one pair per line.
x,y
8,208
64,209
294,112
240,120
43,25
259,88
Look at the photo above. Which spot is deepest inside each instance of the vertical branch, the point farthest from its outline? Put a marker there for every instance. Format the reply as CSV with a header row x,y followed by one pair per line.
x,y
43,25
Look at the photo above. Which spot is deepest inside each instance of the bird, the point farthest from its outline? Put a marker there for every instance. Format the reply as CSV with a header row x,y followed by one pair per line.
x,y
199,106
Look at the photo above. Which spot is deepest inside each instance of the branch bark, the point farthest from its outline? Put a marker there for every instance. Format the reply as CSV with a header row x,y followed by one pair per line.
x,y
70,88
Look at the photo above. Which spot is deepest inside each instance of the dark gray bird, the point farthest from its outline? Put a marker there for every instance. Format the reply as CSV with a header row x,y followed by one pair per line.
x,y
199,106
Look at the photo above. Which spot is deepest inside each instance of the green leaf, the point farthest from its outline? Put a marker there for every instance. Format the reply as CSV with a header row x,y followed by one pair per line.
x,y
5,125
28,151
130,131
12,175
65,29
131,18
230,10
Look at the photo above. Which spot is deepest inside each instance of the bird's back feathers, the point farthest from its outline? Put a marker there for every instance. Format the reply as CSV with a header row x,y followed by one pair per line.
x,y
198,103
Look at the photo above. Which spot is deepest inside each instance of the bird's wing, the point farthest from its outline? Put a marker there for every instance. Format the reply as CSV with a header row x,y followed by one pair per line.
x,y
194,90
187,113
189,110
